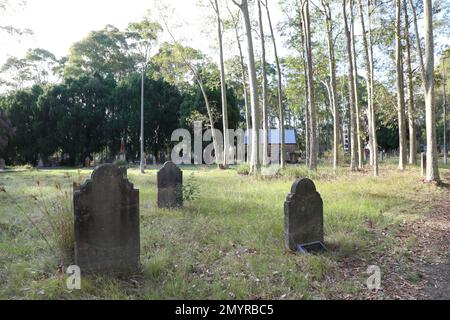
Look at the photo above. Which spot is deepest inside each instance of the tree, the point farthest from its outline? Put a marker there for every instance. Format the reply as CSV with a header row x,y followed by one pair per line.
x,y
6,130
161,113
370,89
313,148
103,53
410,76
143,34
400,88
223,84
248,120
351,85
264,87
254,96
432,157
333,84
280,90
356,84
373,119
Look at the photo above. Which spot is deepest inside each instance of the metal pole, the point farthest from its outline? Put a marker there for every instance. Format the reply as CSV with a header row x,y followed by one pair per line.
x,y
142,121
445,110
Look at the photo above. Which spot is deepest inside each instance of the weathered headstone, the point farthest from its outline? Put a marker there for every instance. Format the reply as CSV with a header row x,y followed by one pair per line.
x,y
170,186
423,164
303,215
106,209
2,164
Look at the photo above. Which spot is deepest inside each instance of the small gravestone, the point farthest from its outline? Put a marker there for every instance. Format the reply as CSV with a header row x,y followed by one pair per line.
x,y
106,209
170,186
303,216
2,164
423,164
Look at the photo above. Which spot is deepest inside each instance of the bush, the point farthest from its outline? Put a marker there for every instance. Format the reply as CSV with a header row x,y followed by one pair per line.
x,y
191,189
243,169
121,163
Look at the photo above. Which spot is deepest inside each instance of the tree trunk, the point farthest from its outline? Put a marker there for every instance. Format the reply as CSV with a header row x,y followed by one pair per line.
x,y
360,146
333,84
400,89
432,157
305,69
255,166
418,44
373,119
244,83
223,84
351,86
409,72
311,102
264,89
368,81
280,92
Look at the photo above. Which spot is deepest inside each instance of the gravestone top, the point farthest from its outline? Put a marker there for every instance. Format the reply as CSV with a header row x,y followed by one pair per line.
x,y
170,186
106,209
303,212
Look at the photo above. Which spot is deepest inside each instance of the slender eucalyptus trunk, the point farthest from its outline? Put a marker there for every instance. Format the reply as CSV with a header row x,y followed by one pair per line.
x,y
313,150
373,118
360,146
305,71
368,77
255,165
333,84
400,89
280,92
244,84
432,157
264,88
409,72
223,85
351,86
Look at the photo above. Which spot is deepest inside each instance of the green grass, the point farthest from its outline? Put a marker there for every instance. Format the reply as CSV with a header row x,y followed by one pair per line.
x,y
226,244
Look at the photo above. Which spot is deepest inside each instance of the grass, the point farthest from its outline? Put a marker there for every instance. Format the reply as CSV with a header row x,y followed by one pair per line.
x,y
227,243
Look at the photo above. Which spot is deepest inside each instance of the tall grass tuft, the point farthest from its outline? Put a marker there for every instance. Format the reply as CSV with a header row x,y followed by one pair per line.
x,y
58,218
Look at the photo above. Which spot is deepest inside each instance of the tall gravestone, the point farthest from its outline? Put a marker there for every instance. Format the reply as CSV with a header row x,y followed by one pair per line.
x,y
106,209
303,215
170,186
2,164
423,164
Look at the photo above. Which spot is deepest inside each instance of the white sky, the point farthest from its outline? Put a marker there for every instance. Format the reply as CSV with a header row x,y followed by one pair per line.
x,y
57,24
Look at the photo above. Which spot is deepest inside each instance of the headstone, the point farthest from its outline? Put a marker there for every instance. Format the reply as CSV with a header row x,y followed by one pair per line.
x,y
423,164
303,215
106,209
40,163
2,164
170,186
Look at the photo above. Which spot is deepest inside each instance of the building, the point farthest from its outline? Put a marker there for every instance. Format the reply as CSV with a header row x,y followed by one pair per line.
x,y
290,140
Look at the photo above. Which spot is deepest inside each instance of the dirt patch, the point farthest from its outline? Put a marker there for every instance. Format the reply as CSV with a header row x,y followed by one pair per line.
x,y
419,266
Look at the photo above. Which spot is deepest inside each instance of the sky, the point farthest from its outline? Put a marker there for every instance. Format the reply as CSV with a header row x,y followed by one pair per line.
x,y
57,24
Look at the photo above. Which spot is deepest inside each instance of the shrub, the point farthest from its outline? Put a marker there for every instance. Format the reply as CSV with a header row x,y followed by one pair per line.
x,y
191,189
243,169
121,163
